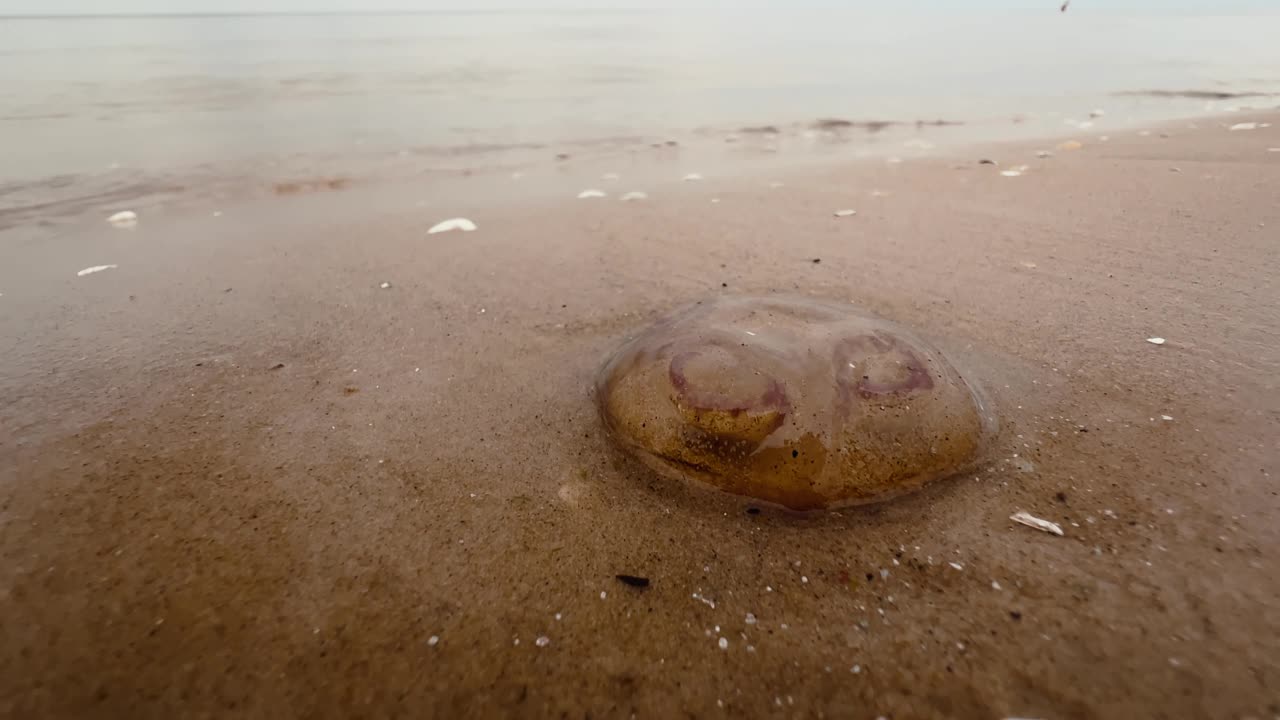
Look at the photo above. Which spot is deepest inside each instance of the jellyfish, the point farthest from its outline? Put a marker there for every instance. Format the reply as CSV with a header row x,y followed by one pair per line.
x,y
802,403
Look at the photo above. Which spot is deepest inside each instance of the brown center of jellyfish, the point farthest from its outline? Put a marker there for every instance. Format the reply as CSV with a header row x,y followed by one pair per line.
x,y
719,393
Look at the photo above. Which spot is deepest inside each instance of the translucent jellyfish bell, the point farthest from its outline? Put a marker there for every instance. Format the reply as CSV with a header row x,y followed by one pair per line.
x,y
799,402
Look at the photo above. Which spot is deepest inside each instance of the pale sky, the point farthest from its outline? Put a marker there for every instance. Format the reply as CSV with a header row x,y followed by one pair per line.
x,y
57,7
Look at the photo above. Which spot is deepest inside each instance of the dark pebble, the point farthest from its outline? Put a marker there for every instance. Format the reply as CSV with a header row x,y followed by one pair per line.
x,y
633,580
753,511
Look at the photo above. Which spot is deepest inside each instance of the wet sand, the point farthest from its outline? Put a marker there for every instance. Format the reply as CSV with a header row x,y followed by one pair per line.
x,y
238,478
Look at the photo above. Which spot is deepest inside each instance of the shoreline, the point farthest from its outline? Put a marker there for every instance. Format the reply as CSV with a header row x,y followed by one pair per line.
x,y
472,172
237,475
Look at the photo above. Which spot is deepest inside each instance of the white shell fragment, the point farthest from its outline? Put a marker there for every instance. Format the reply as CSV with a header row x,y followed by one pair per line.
x,y
1156,340
634,196
1014,171
846,213
95,269
692,177
1032,521
385,286
462,224
589,194
1245,126
125,219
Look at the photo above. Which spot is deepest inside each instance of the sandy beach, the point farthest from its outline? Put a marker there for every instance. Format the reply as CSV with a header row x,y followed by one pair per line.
x,y
241,478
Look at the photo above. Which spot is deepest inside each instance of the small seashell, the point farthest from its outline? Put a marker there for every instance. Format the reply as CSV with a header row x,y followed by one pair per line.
x,y
1032,521
125,219
462,224
1156,340
95,269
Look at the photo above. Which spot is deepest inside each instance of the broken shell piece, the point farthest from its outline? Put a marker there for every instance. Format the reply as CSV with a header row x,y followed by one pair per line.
x,y
385,286
95,269
1245,126
846,213
589,194
124,219
1156,340
692,177
634,196
1071,145
462,224
1032,521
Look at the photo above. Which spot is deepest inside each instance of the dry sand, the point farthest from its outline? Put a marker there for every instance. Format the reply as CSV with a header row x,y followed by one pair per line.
x,y
240,479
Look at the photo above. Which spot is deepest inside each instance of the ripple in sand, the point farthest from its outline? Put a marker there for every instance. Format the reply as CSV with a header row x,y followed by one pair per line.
x,y
460,224
804,403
